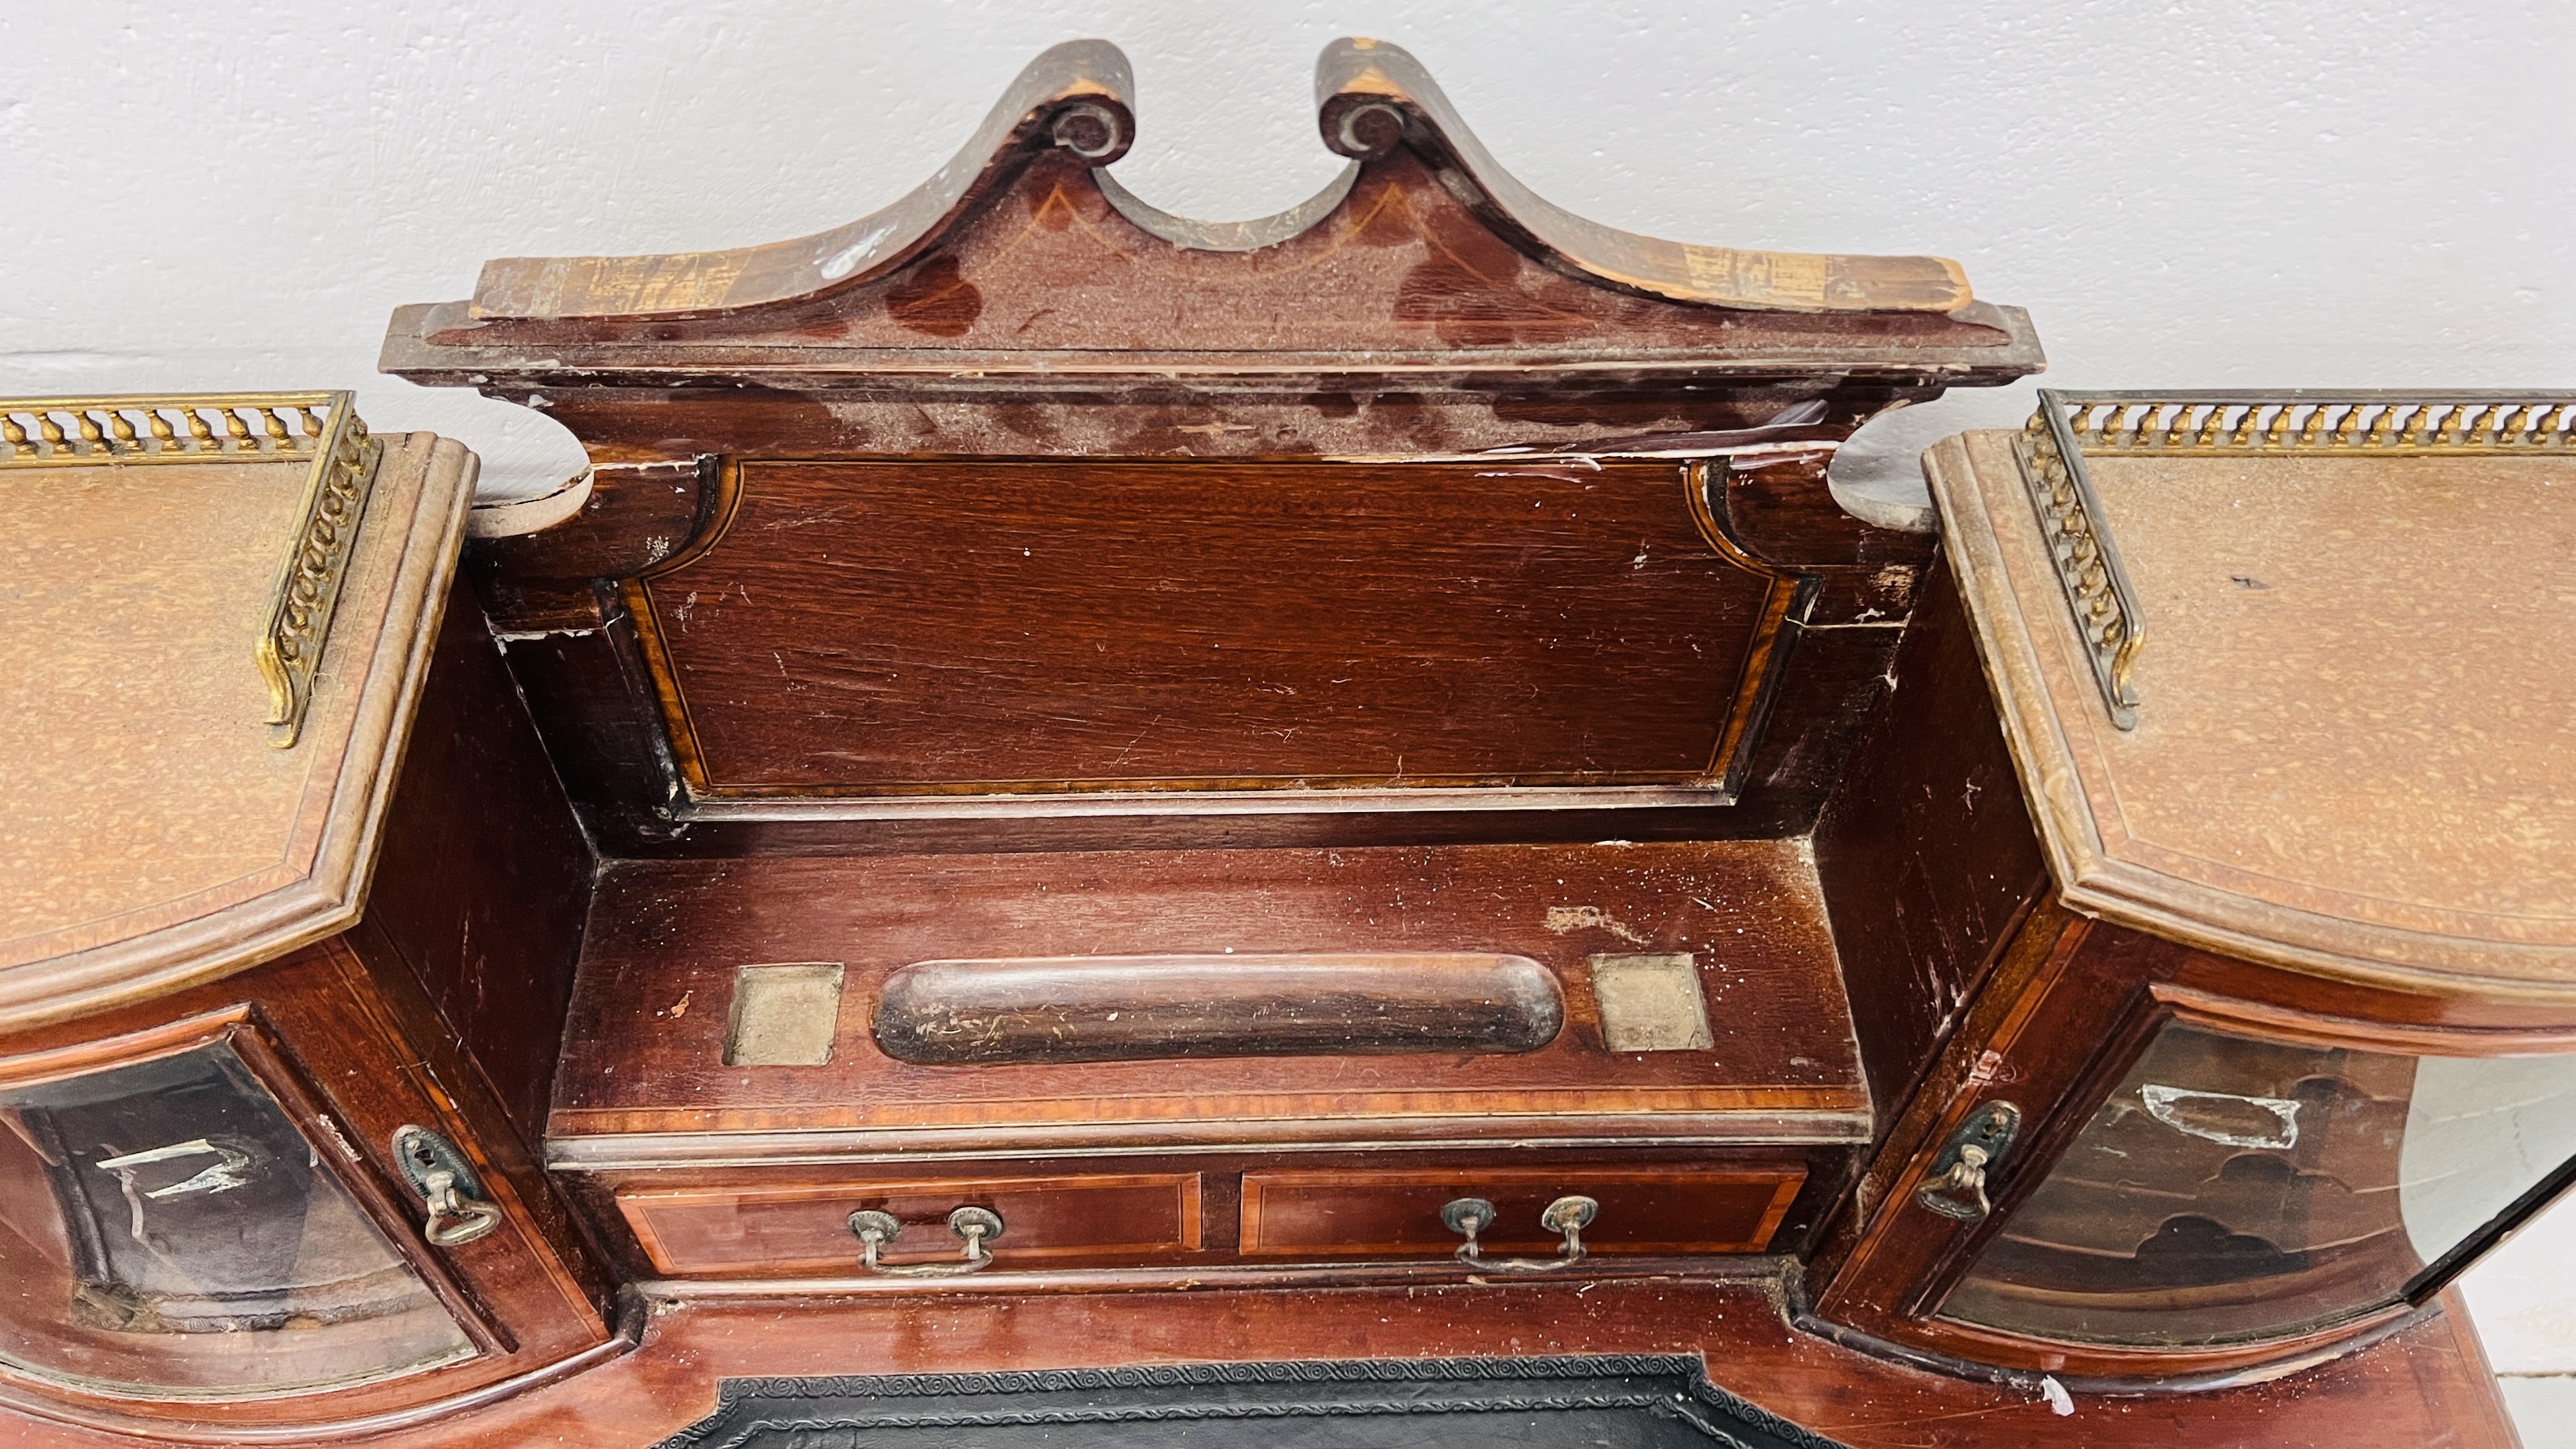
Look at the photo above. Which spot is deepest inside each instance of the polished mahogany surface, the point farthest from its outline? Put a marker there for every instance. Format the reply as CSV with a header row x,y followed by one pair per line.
x,y
882,628
803,1227
1023,516
1396,1212
2426,1384
644,1057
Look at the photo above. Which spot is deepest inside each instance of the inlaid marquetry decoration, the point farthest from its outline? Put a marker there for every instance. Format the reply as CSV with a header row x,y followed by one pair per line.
x,y
323,427
2071,426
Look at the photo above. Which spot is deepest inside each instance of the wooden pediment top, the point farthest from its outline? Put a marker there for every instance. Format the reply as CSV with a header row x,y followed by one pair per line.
x,y
1076,101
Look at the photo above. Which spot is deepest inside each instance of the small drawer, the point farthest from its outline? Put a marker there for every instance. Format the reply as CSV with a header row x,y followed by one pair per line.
x,y
1395,1214
804,1228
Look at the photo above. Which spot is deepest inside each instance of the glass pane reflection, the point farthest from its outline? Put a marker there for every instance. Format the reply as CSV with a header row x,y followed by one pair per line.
x,y
165,1230
2238,1188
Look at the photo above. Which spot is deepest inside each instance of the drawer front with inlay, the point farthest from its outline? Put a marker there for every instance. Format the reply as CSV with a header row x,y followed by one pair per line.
x,y
805,1228
1399,1213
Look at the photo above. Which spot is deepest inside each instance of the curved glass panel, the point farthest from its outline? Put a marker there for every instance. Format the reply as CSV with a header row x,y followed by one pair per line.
x,y
166,1231
2238,1188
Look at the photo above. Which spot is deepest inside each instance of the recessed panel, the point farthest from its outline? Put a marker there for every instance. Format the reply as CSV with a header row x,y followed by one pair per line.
x,y
1651,1003
952,627
783,1016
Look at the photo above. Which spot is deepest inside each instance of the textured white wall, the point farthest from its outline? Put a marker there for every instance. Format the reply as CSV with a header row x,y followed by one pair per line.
x,y
2266,192
2256,193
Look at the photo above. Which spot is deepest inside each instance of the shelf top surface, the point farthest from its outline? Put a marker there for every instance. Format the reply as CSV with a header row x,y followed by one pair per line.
x,y
2350,748
159,833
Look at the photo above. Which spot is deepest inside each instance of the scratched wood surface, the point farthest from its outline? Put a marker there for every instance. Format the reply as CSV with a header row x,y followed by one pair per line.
x,y
1926,853
644,1052
2427,1385
483,884
1042,266
1563,599
1429,318
885,628
2354,758
1077,98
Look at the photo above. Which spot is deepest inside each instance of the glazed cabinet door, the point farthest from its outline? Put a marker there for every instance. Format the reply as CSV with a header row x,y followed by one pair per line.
x,y
177,1232
249,1216
2224,1180
2239,1184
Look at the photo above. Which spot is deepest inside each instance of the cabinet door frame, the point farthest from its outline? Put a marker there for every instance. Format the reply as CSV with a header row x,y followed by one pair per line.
x,y
244,1031
298,1025
1890,1289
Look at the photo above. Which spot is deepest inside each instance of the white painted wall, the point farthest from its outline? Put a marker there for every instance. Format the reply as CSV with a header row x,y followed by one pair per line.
x,y
2263,192
2256,193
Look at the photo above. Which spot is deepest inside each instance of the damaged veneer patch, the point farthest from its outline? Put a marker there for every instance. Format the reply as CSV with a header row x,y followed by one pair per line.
x,y
784,1015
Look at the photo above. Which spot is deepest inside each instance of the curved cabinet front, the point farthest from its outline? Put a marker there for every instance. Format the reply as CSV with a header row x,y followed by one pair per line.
x,y
2148,1161
251,1211
2240,1185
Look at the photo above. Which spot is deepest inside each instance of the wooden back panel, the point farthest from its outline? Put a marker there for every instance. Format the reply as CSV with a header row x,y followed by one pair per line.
x,y
861,629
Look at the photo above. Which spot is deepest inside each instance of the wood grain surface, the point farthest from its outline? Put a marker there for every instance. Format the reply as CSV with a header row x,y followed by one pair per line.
x,y
804,1227
155,838
2352,764
643,1053
890,628
1927,852
483,884
1077,98
1397,1212
2427,1384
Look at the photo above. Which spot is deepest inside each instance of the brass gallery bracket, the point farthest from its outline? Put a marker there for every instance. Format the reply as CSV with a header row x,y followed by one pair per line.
x,y
2072,426
234,428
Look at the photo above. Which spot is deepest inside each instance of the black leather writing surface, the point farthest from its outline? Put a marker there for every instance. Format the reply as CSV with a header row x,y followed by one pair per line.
x,y
1613,1402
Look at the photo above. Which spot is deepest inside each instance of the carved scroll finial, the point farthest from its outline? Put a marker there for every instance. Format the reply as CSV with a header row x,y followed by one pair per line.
x,y
1076,97
1371,97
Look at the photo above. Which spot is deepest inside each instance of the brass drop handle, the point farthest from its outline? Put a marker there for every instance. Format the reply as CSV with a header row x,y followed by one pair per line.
x,y
1967,1174
1566,1217
458,1211
1956,1186
977,1225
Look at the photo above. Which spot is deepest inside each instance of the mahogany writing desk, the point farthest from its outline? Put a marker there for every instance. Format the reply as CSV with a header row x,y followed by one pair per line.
x,y
1095,819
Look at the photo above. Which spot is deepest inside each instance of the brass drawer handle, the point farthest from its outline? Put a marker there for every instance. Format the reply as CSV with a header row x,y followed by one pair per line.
x,y
976,1225
458,1211
1566,1217
1956,1186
